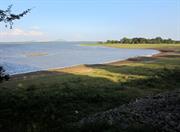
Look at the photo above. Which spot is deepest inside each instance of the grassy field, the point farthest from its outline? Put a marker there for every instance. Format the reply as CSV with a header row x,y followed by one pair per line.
x,y
174,47
56,99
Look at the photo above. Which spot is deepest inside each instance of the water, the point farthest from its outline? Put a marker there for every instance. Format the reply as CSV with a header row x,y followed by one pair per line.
x,y
29,57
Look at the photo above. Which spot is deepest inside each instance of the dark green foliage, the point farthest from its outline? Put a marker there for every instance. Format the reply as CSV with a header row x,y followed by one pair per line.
x,y
7,17
157,40
3,75
105,127
55,107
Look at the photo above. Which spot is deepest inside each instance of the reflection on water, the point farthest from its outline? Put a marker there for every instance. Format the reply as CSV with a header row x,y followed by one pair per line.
x,y
22,58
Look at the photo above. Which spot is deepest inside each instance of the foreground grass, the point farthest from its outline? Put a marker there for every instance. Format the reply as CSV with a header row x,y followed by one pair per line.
x,y
56,100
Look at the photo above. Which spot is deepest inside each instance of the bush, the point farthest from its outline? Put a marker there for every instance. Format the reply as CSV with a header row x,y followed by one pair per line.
x,y
3,75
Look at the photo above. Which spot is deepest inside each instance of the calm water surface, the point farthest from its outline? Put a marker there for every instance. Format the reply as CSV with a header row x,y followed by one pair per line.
x,y
29,57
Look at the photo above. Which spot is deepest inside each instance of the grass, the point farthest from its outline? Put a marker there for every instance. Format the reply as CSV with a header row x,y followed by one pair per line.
x,y
56,100
174,47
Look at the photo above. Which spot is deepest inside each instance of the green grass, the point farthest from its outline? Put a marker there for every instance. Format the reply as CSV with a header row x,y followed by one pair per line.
x,y
143,46
54,102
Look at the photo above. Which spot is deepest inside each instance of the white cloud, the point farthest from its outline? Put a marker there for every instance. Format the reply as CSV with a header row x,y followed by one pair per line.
x,y
35,28
21,32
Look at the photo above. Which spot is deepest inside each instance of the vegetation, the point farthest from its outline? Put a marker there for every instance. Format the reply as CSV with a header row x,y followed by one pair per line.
x,y
56,100
162,47
157,40
7,17
3,75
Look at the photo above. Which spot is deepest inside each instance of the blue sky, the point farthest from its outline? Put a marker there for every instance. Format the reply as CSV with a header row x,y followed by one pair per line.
x,y
93,20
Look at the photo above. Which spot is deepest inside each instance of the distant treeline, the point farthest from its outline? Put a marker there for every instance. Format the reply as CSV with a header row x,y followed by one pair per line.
x,y
157,40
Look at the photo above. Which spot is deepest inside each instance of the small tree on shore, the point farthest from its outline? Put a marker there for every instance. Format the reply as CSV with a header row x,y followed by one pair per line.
x,y
8,17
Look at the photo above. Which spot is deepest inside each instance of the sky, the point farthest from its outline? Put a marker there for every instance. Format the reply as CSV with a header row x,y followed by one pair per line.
x,y
92,20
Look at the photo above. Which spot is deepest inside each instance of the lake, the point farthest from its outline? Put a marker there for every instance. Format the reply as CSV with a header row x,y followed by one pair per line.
x,y
29,57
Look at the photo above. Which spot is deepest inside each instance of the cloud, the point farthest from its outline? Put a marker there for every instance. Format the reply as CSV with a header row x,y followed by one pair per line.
x,y
35,28
21,32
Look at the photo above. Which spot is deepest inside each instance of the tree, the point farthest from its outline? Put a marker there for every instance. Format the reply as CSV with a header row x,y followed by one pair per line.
x,y
158,40
8,18
3,75
125,40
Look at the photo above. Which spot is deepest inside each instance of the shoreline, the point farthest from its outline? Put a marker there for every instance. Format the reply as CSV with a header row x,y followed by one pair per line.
x,y
74,67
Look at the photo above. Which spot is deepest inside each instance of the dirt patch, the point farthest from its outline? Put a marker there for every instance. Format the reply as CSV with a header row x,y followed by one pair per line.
x,y
74,69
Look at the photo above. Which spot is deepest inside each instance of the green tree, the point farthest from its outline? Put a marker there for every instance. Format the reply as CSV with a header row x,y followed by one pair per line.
x,y
125,40
3,75
157,40
8,17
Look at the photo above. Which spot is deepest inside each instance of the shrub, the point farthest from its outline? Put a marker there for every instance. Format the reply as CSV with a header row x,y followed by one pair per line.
x,y
3,75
